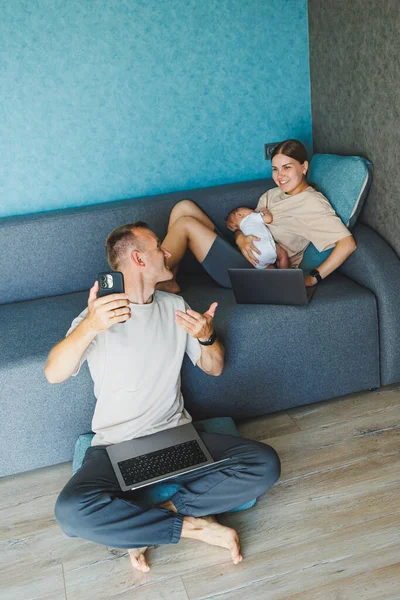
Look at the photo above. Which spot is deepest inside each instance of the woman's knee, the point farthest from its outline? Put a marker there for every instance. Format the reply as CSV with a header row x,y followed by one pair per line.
x,y
183,208
186,223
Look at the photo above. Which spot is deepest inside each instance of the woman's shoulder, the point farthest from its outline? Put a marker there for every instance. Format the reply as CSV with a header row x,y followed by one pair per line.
x,y
315,195
273,192
269,195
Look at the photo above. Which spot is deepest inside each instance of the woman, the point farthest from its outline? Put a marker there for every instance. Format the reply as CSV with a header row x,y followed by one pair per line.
x,y
300,213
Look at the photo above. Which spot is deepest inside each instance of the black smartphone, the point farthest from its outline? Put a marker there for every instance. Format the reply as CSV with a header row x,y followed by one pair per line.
x,y
110,282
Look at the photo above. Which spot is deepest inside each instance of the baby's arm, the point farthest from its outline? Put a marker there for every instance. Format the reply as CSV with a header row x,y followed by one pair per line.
x,y
266,215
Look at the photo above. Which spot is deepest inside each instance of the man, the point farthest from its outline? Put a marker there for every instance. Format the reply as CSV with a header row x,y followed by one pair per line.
x,y
135,343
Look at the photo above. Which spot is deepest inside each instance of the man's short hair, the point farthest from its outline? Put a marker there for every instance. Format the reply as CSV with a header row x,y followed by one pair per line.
x,y
122,240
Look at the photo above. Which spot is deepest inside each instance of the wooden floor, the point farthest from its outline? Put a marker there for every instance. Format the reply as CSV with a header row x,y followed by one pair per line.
x,y
329,530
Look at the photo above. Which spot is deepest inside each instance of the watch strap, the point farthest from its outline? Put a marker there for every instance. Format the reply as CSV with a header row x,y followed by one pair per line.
x,y
315,273
210,340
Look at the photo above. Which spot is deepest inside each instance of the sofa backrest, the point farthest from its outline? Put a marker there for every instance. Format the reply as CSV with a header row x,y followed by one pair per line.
x,y
61,252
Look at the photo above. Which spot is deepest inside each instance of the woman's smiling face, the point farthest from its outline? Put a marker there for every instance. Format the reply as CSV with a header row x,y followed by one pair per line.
x,y
289,174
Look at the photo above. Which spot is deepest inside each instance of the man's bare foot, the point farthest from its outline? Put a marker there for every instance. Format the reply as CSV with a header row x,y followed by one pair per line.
x,y
138,559
170,286
208,530
169,505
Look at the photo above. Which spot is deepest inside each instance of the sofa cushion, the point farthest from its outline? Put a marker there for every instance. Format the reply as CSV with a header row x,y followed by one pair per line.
x,y
164,491
345,181
278,357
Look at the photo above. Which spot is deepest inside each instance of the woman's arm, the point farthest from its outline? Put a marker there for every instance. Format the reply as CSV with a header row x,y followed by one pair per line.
x,y
343,249
247,247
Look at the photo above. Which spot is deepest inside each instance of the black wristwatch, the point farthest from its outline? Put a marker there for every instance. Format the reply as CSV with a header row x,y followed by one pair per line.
x,y
210,340
315,273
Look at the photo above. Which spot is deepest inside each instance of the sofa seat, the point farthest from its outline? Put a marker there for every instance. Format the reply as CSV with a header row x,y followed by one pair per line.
x,y
269,350
278,357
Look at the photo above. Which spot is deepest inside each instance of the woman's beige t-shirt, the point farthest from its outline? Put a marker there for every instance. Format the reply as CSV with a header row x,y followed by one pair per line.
x,y
300,219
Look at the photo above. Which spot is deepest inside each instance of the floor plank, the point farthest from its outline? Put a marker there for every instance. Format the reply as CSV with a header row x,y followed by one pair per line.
x,y
357,405
280,572
380,584
272,426
28,581
328,529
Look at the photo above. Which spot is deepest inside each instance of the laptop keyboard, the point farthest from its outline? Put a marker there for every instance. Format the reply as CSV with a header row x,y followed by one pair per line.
x,y
161,462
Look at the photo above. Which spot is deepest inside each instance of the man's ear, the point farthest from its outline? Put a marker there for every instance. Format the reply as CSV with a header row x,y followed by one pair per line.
x,y
305,167
137,258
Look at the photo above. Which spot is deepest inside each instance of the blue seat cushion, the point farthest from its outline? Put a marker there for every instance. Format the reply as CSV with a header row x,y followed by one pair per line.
x,y
345,181
163,491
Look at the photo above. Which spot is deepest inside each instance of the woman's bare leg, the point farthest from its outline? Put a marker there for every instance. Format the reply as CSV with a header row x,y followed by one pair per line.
x,y
187,208
186,232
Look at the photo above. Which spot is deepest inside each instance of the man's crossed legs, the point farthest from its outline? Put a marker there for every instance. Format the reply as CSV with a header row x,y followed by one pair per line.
x,y
92,505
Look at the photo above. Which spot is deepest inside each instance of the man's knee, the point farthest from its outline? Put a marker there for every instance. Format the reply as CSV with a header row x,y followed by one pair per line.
x,y
269,466
69,512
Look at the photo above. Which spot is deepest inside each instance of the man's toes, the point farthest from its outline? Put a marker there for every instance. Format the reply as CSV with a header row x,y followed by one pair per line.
x,y
236,556
139,562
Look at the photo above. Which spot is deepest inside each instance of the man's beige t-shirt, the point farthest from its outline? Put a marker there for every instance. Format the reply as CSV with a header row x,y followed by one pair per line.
x,y
300,219
136,369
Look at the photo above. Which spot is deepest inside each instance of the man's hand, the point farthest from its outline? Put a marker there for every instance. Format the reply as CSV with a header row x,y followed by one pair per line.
x,y
196,324
247,247
106,311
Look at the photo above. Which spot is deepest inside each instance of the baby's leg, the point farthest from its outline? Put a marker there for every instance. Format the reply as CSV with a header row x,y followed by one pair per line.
x,y
281,257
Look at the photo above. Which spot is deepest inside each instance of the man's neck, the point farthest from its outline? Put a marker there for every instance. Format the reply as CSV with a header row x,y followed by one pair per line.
x,y
138,290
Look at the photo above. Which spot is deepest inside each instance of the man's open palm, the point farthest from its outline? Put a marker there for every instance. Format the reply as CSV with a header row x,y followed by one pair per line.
x,y
196,324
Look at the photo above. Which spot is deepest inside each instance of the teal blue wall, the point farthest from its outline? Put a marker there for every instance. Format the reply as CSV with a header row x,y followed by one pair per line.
x,y
111,99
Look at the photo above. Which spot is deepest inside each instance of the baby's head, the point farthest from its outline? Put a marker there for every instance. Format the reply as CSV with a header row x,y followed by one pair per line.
x,y
236,216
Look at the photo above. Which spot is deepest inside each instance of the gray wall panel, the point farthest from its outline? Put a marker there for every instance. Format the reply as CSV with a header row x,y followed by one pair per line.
x,y
355,85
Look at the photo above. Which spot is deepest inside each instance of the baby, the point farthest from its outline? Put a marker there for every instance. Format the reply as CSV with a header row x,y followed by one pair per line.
x,y
255,223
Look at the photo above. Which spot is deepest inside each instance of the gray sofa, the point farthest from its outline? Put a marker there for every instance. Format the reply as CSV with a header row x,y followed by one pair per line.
x,y
345,341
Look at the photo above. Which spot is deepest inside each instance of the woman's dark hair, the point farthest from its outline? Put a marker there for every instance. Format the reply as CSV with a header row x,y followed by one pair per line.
x,y
293,149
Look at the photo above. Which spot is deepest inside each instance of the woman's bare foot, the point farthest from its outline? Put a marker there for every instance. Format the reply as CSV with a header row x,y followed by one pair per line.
x,y
208,530
138,559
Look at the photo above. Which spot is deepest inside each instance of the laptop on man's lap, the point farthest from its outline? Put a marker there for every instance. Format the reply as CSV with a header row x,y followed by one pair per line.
x,y
160,456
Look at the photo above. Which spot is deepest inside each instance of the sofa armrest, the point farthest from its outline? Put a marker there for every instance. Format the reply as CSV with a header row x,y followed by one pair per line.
x,y
375,266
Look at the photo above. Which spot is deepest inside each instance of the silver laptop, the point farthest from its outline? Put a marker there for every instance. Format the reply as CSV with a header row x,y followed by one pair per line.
x,y
159,456
270,286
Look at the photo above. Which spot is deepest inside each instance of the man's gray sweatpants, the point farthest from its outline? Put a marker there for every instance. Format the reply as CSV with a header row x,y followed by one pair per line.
x,y
92,505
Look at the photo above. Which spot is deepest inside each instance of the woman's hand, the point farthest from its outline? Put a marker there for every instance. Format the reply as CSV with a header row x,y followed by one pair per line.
x,y
342,250
247,247
310,281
